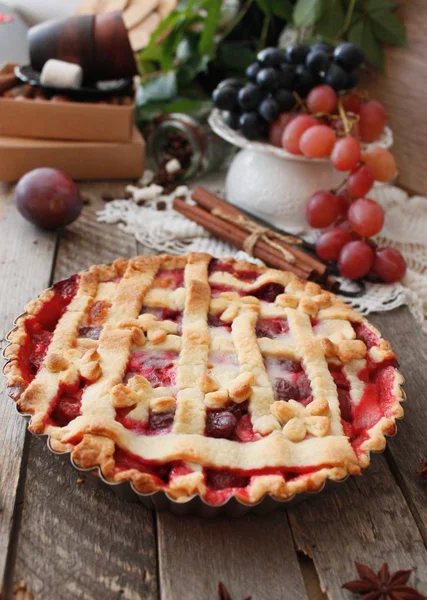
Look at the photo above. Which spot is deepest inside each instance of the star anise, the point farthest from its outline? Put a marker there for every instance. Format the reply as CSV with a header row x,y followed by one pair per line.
x,y
422,471
383,585
224,594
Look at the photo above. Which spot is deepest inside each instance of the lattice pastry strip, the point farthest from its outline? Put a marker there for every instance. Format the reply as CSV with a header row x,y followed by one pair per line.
x,y
191,375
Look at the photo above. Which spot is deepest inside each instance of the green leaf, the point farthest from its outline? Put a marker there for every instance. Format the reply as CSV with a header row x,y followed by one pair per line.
x,y
264,5
149,111
169,22
388,28
361,33
332,20
187,71
282,9
307,12
235,58
371,6
207,39
162,87
153,53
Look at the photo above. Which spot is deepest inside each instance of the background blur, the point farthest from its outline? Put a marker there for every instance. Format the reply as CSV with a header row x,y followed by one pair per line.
x,y
39,10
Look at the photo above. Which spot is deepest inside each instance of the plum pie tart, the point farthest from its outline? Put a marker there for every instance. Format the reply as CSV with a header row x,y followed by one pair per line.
x,y
197,376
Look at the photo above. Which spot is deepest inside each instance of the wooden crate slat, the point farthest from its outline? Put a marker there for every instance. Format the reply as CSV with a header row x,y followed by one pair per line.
x,y
79,540
26,260
253,556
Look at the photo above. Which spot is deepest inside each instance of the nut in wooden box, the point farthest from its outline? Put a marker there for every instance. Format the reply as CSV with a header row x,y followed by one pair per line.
x,y
37,117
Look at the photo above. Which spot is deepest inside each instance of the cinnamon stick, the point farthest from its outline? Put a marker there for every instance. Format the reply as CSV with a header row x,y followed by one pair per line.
x,y
211,201
236,236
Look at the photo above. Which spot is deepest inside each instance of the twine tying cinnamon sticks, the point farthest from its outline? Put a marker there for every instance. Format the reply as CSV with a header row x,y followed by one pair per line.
x,y
231,225
258,232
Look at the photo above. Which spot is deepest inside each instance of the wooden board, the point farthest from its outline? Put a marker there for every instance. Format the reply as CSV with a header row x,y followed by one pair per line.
x,y
107,549
19,240
87,527
403,89
405,451
365,519
243,553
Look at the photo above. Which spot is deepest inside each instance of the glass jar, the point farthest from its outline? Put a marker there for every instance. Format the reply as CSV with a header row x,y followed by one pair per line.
x,y
191,141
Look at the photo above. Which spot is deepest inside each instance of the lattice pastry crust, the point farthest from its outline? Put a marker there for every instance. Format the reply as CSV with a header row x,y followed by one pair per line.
x,y
196,376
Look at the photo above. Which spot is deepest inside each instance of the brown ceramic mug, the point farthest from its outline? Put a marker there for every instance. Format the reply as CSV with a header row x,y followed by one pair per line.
x,y
65,39
114,57
100,44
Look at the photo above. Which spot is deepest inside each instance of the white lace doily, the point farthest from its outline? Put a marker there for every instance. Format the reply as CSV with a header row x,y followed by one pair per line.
x,y
405,229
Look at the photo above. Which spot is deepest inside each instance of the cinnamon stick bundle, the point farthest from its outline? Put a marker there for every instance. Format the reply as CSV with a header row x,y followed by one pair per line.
x,y
225,221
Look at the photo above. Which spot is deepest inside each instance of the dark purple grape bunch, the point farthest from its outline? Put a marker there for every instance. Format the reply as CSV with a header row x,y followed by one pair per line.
x,y
253,105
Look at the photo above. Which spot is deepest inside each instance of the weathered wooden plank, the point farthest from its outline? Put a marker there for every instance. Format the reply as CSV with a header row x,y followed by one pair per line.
x,y
89,242
25,258
406,449
253,556
367,519
402,89
77,540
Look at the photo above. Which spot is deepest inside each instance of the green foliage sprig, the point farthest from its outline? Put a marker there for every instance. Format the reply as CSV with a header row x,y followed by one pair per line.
x,y
195,35
368,23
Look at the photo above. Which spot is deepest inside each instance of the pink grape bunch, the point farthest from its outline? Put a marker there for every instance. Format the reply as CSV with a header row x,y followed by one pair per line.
x,y
349,217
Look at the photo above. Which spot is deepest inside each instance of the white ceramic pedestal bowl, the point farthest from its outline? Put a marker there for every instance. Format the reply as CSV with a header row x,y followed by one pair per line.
x,y
273,184
276,189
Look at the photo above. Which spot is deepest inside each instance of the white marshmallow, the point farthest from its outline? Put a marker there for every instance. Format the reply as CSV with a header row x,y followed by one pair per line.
x,y
61,74
173,166
152,192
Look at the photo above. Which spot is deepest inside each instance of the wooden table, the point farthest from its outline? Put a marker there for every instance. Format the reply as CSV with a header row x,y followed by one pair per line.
x,y
63,537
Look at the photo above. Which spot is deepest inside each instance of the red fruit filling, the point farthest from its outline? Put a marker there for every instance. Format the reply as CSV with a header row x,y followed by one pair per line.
x,y
271,328
218,288
39,327
377,401
68,407
157,424
298,389
285,390
170,279
244,431
294,387
92,333
233,423
366,335
220,424
248,276
217,265
268,292
125,460
220,480
158,368
215,321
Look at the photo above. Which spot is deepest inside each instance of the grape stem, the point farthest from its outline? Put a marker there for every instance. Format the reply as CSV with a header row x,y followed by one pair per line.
x,y
347,21
348,126
264,32
232,24
300,101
